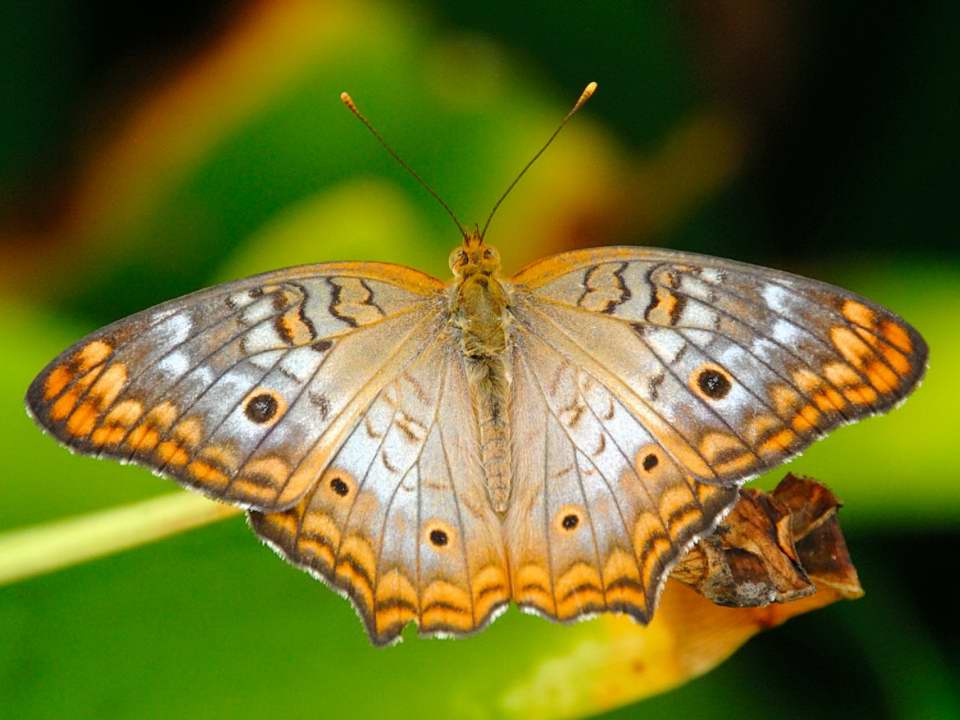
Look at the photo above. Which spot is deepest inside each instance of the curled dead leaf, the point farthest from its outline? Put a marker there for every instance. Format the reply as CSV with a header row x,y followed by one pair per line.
x,y
770,548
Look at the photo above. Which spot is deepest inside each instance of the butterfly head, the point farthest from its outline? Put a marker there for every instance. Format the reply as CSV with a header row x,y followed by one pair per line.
x,y
474,256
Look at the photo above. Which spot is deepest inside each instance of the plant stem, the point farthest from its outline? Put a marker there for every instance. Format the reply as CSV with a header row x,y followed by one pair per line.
x,y
44,548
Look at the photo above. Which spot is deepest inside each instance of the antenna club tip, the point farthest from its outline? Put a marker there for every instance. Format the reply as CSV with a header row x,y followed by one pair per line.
x,y
584,96
588,91
347,100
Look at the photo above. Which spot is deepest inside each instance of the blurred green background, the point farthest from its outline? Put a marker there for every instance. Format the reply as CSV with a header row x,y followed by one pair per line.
x,y
151,150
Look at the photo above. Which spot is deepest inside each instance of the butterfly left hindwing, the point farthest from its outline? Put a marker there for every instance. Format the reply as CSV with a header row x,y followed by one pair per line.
x,y
400,519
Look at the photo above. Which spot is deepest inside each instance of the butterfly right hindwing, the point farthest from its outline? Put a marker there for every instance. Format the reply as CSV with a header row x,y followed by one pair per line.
x,y
601,509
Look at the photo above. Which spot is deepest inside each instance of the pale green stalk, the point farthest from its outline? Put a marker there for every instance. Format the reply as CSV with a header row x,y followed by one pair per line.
x,y
61,543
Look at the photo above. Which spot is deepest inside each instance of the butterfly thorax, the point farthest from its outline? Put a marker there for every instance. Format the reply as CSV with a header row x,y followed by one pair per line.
x,y
479,316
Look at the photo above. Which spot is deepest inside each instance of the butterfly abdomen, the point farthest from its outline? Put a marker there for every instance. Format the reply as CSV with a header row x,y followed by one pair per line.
x,y
479,312
490,392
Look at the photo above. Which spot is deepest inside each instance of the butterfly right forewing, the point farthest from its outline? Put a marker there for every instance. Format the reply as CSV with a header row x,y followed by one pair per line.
x,y
735,367
650,384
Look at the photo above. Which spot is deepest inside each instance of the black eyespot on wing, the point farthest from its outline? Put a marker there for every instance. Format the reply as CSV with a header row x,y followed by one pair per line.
x,y
438,538
713,383
339,487
261,408
570,521
650,462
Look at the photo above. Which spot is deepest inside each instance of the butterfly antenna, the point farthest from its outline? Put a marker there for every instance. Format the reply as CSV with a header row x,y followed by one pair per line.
x,y
584,96
352,106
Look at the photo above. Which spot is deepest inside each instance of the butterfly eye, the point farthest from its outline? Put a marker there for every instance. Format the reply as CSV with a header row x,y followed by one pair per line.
x,y
487,254
456,260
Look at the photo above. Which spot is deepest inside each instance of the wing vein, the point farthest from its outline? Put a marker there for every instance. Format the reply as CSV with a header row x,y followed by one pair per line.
x,y
386,515
800,361
125,392
366,474
830,350
456,503
629,390
593,529
616,502
669,368
228,414
306,385
546,520
839,316
760,401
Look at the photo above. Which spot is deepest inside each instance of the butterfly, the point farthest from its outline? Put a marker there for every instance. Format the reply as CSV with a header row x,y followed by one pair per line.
x,y
438,450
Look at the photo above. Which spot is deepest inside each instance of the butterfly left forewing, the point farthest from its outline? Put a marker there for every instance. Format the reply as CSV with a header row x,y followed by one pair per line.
x,y
241,390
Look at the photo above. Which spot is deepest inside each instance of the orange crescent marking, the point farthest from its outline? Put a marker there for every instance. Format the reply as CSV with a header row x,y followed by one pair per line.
x,y
83,419
56,381
92,355
859,314
897,336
